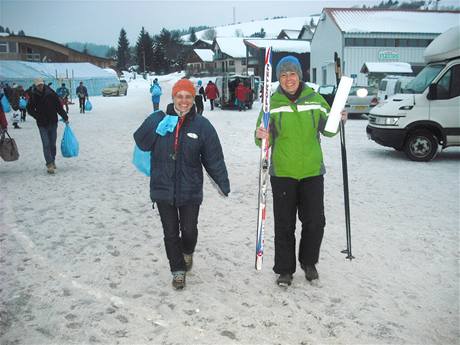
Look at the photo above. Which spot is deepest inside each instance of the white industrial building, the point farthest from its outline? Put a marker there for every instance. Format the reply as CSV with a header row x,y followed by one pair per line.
x,y
361,36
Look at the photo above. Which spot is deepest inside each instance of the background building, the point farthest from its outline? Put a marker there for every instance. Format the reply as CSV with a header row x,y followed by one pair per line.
x,y
359,36
27,48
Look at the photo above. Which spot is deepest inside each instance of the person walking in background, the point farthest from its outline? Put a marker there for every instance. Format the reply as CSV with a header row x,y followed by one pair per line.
x,y
181,143
156,92
15,95
212,92
43,106
241,96
200,95
82,94
64,93
297,118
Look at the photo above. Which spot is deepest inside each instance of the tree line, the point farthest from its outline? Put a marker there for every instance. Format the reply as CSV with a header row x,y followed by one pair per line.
x,y
162,53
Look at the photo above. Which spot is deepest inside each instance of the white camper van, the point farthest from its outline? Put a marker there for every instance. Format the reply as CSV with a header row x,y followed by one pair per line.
x,y
426,117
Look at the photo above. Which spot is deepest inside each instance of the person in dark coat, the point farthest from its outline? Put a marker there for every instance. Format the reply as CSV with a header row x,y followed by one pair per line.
x,y
82,94
43,106
181,144
200,95
212,92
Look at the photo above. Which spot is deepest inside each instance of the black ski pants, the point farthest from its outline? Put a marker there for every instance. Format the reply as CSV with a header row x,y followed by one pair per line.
x,y
180,232
306,197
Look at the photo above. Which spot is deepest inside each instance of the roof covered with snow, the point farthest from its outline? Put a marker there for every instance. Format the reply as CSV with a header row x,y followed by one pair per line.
x,y
370,20
292,34
232,46
281,45
386,67
205,55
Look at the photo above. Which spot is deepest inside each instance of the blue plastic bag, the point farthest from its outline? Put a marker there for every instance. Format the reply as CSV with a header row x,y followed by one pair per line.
x,y
69,143
88,105
5,104
141,160
22,103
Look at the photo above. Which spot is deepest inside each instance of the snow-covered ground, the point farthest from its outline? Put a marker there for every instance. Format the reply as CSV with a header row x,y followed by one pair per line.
x,y
82,259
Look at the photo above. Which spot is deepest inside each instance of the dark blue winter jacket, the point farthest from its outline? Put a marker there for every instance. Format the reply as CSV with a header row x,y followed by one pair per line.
x,y
178,178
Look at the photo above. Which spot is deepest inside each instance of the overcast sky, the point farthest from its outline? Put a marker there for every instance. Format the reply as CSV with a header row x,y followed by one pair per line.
x,y
100,21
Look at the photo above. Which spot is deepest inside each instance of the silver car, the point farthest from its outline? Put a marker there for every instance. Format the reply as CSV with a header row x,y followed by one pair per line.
x,y
361,100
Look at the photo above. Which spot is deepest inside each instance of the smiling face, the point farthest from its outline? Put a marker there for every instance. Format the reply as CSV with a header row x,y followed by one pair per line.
x,y
289,81
183,102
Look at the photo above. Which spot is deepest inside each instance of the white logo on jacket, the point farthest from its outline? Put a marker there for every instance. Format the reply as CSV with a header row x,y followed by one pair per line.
x,y
192,135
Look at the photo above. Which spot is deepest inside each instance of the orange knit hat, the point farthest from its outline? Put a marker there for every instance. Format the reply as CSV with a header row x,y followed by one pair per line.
x,y
183,85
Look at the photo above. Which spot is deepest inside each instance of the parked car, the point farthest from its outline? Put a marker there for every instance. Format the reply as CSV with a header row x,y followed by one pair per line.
x,y
361,100
116,89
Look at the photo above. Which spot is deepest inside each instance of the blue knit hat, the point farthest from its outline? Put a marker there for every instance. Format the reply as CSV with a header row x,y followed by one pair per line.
x,y
289,63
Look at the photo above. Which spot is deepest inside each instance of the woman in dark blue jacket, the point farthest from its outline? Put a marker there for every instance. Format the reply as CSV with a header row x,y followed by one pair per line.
x,y
181,144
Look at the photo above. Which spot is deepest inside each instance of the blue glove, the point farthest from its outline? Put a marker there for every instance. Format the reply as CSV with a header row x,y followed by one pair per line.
x,y
168,124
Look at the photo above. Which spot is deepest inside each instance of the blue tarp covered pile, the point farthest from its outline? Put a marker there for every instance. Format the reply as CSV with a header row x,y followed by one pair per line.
x,y
24,73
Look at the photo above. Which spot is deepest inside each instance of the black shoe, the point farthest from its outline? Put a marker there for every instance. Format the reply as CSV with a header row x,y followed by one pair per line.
x,y
284,279
310,272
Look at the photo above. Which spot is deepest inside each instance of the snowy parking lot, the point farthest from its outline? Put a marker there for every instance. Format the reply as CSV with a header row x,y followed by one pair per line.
x,y
82,259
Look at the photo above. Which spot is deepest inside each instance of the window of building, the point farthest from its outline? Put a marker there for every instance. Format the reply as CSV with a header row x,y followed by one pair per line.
x,y
12,47
314,75
3,47
231,63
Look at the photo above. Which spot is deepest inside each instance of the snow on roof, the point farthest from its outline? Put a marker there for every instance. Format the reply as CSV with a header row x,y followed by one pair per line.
x,y
232,46
386,67
272,27
292,46
291,33
369,20
205,55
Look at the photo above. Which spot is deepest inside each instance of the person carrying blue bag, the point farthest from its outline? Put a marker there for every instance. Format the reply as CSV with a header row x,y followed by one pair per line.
x,y
43,106
181,144
155,91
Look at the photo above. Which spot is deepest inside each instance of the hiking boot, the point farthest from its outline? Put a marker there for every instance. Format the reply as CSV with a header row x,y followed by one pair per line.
x,y
188,258
178,281
284,279
310,272
50,168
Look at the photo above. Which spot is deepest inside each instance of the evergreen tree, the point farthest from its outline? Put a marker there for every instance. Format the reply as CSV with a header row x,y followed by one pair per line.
x,y
168,51
2,29
122,53
7,30
85,49
21,33
192,35
144,51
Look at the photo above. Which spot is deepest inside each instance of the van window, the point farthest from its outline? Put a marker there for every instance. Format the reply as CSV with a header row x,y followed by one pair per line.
x,y
383,85
448,85
424,78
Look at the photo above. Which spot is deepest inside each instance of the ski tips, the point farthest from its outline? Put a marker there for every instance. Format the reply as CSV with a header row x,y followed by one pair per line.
x,y
268,55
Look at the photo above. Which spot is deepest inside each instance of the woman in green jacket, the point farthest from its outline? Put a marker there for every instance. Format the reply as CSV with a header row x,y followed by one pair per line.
x,y
297,118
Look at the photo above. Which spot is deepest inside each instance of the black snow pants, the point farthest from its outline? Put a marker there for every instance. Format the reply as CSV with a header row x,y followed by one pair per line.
x,y
307,198
180,232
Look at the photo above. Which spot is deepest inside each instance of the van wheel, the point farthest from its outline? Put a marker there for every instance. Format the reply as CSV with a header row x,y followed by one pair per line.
x,y
421,146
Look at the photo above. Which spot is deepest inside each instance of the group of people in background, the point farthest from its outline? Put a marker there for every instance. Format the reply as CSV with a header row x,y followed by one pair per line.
x,y
44,105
